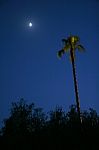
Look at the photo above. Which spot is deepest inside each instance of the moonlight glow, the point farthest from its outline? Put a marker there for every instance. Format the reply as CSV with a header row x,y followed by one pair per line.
x,y
30,24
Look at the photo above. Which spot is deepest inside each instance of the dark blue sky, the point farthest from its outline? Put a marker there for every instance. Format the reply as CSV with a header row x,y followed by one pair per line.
x,y
29,66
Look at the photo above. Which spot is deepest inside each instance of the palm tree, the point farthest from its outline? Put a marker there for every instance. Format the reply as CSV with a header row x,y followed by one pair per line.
x,y
71,44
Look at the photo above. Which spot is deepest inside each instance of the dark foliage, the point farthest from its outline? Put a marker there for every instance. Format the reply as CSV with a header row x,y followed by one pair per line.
x,y
29,128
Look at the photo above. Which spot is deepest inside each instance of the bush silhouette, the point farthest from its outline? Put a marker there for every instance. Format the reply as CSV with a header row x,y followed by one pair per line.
x,y
28,127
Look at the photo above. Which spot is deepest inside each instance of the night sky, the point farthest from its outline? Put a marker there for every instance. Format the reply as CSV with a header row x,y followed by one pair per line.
x,y
29,67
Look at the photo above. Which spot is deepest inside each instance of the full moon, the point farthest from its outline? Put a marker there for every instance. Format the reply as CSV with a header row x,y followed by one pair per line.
x,y
30,24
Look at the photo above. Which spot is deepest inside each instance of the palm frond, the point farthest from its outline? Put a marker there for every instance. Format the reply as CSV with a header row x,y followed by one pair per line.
x,y
65,41
60,53
67,47
80,48
76,38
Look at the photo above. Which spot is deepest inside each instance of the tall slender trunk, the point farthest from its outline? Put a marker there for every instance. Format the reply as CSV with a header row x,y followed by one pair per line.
x,y
75,82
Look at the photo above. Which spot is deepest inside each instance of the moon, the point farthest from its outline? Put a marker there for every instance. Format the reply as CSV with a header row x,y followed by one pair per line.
x,y
30,24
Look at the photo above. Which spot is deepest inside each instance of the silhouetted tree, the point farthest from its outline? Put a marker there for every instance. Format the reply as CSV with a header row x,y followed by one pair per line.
x,y
90,119
19,122
38,119
57,116
72,116
28,127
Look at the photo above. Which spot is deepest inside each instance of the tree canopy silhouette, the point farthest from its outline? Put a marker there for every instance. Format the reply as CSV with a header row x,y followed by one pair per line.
x,y
28,127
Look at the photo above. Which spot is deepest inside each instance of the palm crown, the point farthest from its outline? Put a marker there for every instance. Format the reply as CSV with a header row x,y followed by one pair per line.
x,y
72,42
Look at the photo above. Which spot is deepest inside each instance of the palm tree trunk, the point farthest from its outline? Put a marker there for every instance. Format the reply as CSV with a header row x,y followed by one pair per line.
x,y
75,82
